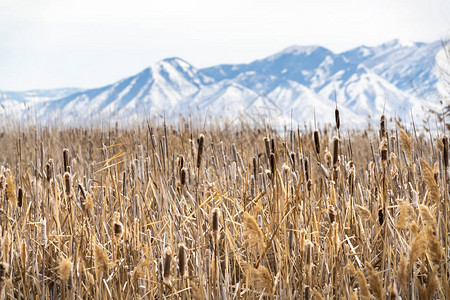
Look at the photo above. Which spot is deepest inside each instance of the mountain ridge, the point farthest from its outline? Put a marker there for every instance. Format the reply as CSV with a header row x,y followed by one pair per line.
x,y
395,76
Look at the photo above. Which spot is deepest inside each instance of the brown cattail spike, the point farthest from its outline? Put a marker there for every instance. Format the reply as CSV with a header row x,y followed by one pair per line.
x,y
316,141
335,150
382,126
182,260
67,183
215,222
167,265
183,176
20,197
272,163
49,169
118,227
201,141
338,120
66,159
267,146
306,168
445,154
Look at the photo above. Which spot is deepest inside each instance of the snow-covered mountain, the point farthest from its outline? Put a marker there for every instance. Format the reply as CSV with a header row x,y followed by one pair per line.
x,y
295,84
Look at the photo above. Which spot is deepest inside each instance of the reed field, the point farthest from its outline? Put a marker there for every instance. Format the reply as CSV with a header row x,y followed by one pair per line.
x,y
179,211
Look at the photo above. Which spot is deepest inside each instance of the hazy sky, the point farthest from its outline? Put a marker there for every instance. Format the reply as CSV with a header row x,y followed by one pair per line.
x,y
88,43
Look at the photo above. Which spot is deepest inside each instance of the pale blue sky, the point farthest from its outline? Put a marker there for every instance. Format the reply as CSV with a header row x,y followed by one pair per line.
x,y
86,43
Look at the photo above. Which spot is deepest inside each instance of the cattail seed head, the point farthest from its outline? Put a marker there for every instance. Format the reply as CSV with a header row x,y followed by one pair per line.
x,y
306,168
308,253
66,159
49,169
201,141
20,197
336,117
316,141
67,183
118,227
65,269
181,162
293,159
43,232
4,268
182,260
380,215
10,189
306,292
167,265
272,163
382,126
101,259
215,224
291,236
335,150
24,254
267,146
272,145
445,154
183,176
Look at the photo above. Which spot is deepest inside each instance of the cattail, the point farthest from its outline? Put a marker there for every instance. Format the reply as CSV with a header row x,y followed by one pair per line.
x,y
2,181
382,126
272,145
10,189
267,146
67,183
380,215
445,154
335,150
49,169
43,233
308,254
306,293
167,265
291,235
4,268
336,117
215,224
66,159
24,254
328,157
293,159
306,168
201,140
332,214
118,227
101,259
255,167
182,260
316,141
20,197
65,269
183,176
181,162
272,164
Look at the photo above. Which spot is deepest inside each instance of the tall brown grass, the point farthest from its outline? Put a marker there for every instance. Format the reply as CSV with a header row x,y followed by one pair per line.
x,y
248,212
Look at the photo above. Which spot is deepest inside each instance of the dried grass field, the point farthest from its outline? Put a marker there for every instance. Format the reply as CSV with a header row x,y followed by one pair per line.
x,y
184,212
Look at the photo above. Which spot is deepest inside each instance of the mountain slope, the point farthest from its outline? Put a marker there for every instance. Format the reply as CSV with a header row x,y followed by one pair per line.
x,y
397,78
